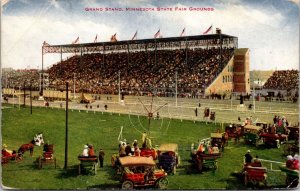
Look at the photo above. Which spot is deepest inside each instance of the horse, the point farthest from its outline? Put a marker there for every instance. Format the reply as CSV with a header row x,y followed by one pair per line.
x,y
38,139
25,147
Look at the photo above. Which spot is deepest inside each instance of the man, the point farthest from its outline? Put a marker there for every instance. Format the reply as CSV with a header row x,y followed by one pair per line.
x,y
91,151
248,157
101,157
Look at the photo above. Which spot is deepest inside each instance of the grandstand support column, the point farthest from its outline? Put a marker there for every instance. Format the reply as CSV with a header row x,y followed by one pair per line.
x,y
176,88
19,96
253,97
119,84
66,138
30,89
74,85
24,93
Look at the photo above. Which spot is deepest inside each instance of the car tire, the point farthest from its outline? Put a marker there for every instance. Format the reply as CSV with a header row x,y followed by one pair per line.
x,y
127,185
162,183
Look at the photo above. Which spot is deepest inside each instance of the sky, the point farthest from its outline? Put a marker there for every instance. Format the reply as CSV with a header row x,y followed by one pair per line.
x,y
269,28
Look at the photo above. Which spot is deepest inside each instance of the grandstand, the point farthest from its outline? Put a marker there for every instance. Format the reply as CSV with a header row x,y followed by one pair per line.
x,y
189,65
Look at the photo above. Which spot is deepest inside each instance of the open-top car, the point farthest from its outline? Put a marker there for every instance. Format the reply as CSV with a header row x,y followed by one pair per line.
x,y
168,157
251,134
141,172
219,139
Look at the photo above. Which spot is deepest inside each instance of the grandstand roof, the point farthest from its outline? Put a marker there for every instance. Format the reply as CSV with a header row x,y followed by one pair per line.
x,y
71,48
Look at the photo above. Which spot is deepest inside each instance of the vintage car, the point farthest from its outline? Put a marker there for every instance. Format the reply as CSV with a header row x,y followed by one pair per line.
x,y
168,157
255,174
234,131
220,139
203,158
274,140
292,176
141,172
293,133
251,134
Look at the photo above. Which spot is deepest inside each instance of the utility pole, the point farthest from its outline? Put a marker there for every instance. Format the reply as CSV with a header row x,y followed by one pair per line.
x,y
66,138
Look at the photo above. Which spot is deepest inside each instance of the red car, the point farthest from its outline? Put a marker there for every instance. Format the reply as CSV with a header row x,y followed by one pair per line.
x,y
141,172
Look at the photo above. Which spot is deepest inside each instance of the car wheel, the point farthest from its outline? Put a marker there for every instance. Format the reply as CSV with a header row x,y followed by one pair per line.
x,y
162,183
277,143
127,185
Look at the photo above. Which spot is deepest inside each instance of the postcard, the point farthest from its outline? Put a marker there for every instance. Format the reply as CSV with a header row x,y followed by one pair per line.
x,y
149,94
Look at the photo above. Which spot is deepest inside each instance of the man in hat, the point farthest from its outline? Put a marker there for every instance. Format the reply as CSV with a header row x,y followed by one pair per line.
x,y
248,157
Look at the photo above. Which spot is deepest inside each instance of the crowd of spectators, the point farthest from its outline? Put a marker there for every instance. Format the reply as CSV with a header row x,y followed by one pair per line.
x,y
283,80
142,71
21,78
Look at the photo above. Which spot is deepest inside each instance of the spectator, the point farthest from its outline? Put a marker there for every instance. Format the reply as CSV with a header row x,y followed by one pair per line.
x,y
101,157
248,157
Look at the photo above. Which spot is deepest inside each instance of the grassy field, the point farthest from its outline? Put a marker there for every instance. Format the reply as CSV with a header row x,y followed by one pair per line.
x,y
102,130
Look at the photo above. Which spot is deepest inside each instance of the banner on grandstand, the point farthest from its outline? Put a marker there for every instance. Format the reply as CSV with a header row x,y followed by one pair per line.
x,y
157,34
209,29
76,41
134,36
95,40
183,32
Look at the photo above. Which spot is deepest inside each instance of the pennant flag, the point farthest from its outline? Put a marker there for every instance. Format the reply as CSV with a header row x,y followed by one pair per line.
x,y
113,38
208,30
183,32
45,44
95,40
76,41
134,36
157,34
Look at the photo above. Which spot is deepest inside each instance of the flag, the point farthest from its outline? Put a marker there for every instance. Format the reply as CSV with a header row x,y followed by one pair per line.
x,y
134,36
95,40
157,34
113,38
76,41
208,30
183,32
45,44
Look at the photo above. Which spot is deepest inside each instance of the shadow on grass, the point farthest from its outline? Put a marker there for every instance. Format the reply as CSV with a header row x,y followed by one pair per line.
x,y
236,182
72,171
105,187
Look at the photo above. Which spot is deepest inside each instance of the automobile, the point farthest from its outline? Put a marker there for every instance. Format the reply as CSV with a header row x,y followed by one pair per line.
x,y
168,157
293,133
220,139
251,134
141,172
254,174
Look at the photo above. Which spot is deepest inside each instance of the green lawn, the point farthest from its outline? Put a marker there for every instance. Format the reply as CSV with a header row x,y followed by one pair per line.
x,y
102,130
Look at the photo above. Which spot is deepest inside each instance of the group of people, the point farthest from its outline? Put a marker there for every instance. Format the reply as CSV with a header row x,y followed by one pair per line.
x,y
283,79
139,71
292,162
88,151
250,161
207,149
127,149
